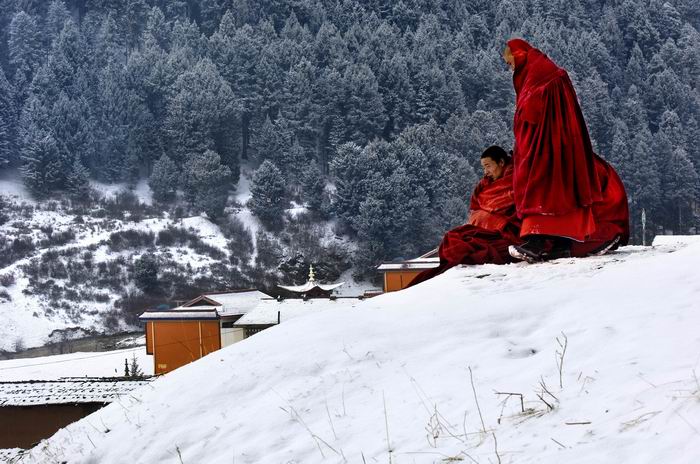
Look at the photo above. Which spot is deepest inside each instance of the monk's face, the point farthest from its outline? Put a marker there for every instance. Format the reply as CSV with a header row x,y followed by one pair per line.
x,y
509,58
492,169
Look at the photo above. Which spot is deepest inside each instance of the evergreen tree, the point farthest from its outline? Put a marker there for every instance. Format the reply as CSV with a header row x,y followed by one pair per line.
x,y
210,12
397,93
77,181
164,179
312,186
636,71
270,142
146,274
5,140
198,113
112,127
134,368
300,107
56,16
8,121
72,127
24,49
206,183
597,109
134,21
681,185
294,161
157,32
236,56
43,169
365,116
267,200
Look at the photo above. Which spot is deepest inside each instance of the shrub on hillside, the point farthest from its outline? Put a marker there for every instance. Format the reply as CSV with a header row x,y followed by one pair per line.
x,y
129,239
145,272
181,237
7,279
240,242
16,249
57,238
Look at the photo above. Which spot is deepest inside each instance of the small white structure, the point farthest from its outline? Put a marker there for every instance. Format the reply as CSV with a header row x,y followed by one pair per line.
x,y
312,289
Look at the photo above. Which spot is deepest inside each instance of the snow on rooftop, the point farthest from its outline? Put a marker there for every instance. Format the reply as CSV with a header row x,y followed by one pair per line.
x,y
237,302
266,312
71,391
79,364
177,315
412,264
413,376
308,286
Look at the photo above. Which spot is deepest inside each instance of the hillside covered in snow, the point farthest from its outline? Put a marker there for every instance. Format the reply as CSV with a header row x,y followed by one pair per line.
x,y
589,360
72,268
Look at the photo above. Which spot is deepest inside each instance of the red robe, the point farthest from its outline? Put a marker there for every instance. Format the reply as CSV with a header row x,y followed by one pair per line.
x,y
492,227
611,213
555,181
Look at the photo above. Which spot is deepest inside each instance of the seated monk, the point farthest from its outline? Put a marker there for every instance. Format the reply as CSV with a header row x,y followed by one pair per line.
x,y
492,225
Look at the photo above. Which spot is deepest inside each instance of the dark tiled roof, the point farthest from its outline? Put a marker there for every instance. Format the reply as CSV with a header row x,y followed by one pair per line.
x,y
67,391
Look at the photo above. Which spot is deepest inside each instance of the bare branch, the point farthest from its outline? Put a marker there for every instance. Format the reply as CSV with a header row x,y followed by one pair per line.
x,y
476,400
558,443
522,402
560,357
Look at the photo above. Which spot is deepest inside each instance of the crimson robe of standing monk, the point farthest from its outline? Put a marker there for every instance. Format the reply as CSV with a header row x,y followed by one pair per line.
x,y
491,228
555,182
611,213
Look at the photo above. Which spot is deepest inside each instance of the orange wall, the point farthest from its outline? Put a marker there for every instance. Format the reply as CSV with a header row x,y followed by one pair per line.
x,y
149,341
398,280
176,343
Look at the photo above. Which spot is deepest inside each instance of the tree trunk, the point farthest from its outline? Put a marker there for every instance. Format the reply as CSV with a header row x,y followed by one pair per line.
x,y
245,135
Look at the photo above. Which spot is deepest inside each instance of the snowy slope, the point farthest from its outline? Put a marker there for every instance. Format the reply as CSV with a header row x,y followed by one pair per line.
x,y
31,317
79,364
391,383
54,288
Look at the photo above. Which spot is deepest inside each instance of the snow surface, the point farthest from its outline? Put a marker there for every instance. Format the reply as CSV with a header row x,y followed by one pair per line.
x,y
79,364
110,190
390,381
11,186
267,311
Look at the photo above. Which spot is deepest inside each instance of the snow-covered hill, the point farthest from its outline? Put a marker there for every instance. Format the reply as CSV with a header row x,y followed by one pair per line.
x,y
415,376
67,268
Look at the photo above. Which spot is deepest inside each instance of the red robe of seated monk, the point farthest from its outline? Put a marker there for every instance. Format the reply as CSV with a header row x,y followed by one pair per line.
x,y
492,227
555,181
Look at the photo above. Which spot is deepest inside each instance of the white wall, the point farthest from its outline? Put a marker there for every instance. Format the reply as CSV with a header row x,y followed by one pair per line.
x,y
231,336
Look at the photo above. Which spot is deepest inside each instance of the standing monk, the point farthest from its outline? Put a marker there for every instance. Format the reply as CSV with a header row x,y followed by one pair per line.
x,y
555,183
